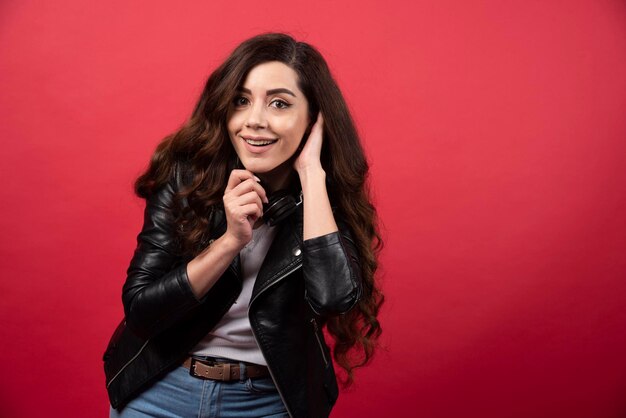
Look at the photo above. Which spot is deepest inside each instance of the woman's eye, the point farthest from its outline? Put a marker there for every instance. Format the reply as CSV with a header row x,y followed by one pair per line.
x,y
279,104
240,101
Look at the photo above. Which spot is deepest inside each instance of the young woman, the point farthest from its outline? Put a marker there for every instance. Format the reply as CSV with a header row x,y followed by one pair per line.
x,y
258,233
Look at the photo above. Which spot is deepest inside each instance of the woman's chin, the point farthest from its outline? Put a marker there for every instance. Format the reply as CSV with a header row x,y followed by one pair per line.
x,y
258,170
262,167
273,176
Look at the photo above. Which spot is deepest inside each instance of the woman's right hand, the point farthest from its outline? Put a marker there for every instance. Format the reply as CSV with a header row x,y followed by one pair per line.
x,y
243,204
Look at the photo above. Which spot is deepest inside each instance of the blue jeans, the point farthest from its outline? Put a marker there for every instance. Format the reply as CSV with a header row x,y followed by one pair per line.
x,y
178,394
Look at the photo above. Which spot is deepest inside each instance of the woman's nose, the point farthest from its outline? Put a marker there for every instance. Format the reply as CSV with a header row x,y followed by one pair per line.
x,y
256,116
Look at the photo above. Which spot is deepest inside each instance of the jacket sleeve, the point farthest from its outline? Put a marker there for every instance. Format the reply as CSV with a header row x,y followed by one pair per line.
x,y
332,272
157,292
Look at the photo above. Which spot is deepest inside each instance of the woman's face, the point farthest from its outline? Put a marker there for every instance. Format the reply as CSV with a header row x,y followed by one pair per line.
x,y
267,121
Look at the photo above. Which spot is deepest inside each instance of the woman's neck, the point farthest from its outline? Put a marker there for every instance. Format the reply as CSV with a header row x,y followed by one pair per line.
x,y
279,178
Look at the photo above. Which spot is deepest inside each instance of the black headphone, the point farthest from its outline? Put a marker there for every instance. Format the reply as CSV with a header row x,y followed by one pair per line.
x,y
281,204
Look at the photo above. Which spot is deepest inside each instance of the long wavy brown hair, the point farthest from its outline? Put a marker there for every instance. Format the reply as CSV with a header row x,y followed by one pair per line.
x,y
202,150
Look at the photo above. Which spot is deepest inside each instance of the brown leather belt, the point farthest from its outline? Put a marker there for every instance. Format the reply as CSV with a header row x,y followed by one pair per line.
x,y
226,372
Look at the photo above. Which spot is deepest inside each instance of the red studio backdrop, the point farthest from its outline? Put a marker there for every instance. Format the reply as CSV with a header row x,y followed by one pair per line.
x,y
495,132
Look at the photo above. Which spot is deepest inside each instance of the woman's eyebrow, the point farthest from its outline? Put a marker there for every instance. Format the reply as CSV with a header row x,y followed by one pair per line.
x,y
281,90
270,92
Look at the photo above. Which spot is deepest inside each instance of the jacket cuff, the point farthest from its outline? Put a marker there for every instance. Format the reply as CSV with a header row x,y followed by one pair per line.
x,y
330,281
322,241
179,300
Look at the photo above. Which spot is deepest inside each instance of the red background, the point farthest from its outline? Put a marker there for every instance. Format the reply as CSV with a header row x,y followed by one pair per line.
x,y
495,131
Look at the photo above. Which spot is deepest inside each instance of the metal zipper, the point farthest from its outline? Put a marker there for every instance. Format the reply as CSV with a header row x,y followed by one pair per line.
x,y
319,341
282,397
128,363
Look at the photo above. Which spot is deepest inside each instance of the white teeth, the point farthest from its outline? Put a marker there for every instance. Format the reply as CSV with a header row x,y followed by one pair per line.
x,y
253,142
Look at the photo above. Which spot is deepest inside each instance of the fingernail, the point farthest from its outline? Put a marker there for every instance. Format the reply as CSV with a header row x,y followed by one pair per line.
x,y
257,179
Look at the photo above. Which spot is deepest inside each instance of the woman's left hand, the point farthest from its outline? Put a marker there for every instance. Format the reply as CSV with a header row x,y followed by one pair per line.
x,y
318,218
309,157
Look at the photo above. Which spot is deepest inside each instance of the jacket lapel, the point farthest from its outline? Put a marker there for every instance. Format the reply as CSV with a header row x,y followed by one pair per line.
x,y
283,256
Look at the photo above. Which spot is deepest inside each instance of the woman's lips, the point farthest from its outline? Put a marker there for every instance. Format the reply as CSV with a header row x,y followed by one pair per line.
x,y
258,145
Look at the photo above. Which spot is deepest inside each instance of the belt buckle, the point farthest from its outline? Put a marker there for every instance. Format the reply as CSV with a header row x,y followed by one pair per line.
x,y
224,366
192,367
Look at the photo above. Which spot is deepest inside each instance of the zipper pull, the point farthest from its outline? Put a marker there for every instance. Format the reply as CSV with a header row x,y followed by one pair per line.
x,y
314,322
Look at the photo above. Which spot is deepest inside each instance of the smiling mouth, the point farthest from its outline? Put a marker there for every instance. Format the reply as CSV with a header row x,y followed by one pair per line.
x,y
260,142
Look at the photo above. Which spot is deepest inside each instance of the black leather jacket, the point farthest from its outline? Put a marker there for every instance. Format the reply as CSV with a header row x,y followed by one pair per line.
x,y
298,286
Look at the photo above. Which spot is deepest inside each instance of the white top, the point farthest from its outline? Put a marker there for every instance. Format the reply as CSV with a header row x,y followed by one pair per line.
x,y
232,336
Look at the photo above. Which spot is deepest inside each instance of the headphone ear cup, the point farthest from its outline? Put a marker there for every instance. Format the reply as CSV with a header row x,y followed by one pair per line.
x,y
281,205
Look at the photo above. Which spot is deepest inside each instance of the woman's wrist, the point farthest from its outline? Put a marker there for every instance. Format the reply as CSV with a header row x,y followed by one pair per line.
x,y
208,266
230,244
318,215
312,173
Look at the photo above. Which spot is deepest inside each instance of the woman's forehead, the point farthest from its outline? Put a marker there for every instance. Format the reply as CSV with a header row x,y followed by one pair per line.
x,y
271,75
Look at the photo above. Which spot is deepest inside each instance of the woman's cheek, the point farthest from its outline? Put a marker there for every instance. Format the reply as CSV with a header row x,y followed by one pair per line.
x,y
291,127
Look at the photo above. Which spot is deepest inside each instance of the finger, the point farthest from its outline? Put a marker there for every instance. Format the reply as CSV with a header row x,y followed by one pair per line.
x,y
240,214
313,145
319,122
250,185
318,127
233,203
251,209
237,176
250,197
